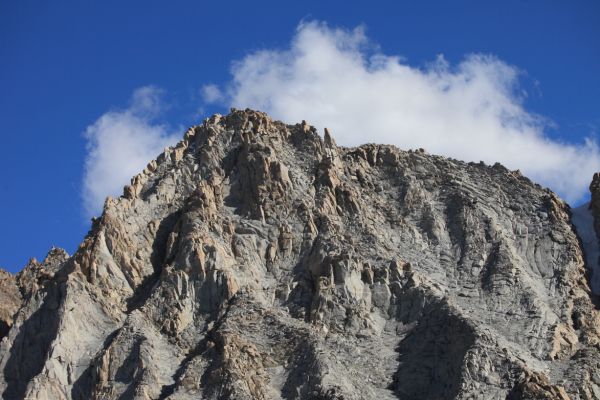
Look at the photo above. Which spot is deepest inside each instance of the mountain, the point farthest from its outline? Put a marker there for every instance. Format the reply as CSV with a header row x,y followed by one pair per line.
x,y
256,260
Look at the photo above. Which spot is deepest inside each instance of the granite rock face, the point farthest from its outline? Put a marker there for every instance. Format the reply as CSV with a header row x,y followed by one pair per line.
x,y
256,260
15,289
10,301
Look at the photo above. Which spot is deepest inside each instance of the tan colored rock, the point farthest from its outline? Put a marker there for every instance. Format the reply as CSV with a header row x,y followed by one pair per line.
x,y
537,386
255,260
10,301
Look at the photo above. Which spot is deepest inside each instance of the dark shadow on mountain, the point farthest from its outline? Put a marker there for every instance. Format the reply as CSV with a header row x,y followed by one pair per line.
x,y
30,349
142,292
432,354
157,258
159,246
82,387
4,328
201,350
126,372
304,373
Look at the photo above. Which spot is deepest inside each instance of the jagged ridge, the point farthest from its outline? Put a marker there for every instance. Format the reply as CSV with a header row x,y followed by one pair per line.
x,y
257,260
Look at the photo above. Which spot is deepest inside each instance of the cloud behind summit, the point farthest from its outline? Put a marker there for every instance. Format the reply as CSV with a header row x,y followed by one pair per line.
x,y
472,111
119,145
338,78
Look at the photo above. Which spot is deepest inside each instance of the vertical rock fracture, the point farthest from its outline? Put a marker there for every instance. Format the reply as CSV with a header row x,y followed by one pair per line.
x,y
256,260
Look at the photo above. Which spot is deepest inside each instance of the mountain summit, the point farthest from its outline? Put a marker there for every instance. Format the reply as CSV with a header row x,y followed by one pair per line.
x,y
256,260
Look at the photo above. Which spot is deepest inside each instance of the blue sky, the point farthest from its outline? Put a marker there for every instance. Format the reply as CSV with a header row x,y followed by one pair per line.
x,y
66,65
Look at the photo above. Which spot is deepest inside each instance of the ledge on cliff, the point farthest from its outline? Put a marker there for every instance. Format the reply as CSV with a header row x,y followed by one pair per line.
x,y
257,260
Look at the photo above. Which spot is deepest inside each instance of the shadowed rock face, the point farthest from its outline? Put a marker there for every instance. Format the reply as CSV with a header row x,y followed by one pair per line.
x,y
255,260
10,301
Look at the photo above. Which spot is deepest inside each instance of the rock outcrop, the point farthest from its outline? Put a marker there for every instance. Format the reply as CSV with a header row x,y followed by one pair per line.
x,y
255,260
15,289
10,301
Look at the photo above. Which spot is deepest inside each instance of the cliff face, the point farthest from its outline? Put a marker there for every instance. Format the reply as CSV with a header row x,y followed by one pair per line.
x,y
255,260
10,301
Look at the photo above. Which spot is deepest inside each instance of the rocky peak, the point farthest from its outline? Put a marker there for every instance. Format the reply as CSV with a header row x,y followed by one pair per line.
x,y
15,288
257,260
10,301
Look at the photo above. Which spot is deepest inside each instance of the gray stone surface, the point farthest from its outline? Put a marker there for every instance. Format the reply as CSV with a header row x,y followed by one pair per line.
x,y
255,260
10,301
584,221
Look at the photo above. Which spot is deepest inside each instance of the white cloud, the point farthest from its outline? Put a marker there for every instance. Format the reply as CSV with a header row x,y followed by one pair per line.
x,y
211,93
473,111
120,144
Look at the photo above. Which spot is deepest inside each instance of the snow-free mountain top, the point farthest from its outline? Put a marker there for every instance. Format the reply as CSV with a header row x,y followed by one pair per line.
x,y
255,260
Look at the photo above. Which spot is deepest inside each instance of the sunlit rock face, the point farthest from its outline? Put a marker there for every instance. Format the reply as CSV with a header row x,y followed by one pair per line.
x,y
257,260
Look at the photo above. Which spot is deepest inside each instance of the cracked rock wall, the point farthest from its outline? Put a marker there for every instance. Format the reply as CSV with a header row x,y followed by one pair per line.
x,y
256,260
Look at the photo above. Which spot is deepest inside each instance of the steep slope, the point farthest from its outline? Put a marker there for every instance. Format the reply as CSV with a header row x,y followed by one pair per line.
x,y
10,301
255,260
584,222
